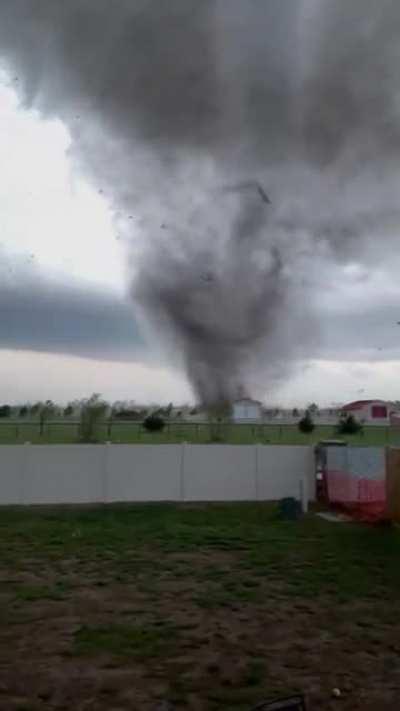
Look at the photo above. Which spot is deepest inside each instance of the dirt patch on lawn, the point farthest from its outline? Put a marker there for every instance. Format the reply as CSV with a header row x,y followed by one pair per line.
x,y
205,608
99,644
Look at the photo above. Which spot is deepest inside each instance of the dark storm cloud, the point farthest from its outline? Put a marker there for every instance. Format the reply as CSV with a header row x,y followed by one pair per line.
x,y
48,316
170,102
353,86
371,335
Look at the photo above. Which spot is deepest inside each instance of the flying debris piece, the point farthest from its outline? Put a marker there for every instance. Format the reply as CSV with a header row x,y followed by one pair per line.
x,y
264,195
163,226
249,185
207,277
130,217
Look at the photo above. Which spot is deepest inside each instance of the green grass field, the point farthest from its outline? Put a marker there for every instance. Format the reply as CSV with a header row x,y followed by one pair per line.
x,y
131,432
204,607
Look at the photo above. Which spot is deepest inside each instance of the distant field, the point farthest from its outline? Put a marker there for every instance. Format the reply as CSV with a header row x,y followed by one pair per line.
x,y
133,433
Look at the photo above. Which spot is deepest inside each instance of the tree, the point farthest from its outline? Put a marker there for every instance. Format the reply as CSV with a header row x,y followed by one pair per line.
x,y
46,412
93,412
23,411
348,425
69,411
5,411
306,424
313,408
295,412
220,411
35,409
154,423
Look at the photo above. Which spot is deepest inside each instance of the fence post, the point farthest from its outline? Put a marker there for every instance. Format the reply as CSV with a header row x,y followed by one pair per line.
x,y
256,471
182,473
25,453
106,467
304,494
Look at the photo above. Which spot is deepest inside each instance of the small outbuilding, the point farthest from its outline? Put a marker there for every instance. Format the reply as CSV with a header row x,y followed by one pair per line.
x,y
247,410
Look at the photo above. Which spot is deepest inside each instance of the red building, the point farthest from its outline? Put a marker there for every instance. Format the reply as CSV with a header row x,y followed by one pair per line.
x,y
369,411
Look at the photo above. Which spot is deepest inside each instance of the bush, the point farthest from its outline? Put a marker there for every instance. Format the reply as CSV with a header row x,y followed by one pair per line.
x,y
154,423
306,424
348,425
128,414
93,412
5,411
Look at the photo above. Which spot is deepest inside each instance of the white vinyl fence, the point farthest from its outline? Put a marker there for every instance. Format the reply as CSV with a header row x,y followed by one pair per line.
x,y
82,474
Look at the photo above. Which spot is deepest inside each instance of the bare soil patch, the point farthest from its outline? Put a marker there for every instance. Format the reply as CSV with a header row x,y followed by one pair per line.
x,y
213,607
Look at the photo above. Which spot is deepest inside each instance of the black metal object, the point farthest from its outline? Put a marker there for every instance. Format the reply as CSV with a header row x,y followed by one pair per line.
x,y
289,509
294,703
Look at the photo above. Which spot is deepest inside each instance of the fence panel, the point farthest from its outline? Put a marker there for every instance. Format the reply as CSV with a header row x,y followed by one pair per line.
x,y
219,473
12,465
64,474
143,472
80,474
281,469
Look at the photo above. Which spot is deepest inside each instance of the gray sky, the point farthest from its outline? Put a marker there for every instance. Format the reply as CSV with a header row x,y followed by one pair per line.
x,y
66,263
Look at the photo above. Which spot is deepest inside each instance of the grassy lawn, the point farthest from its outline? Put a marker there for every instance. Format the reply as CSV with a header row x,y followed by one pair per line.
x,y
131,432
207,607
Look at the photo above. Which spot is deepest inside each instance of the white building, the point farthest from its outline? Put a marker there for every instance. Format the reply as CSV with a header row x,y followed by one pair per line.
x,y
372,412
247,410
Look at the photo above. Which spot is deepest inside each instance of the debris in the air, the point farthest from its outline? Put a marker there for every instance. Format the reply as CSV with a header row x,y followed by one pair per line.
x,y
207,276
249,185
264,195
